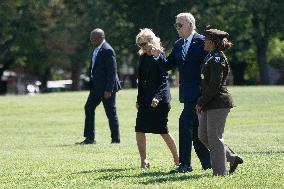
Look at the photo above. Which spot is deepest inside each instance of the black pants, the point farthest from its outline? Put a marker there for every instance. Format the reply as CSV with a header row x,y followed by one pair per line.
x,y
110,109
188,135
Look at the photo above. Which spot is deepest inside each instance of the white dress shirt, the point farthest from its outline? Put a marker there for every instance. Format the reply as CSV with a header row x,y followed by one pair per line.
x,y
189,39
95,52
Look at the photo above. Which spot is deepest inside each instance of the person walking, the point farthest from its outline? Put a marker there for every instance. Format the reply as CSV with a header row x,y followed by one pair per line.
x,y
187,55
153,99
104,84
215,103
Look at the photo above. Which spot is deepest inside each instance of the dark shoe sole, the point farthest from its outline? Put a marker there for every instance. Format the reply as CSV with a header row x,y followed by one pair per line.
x,y
237,161
85,143
180,171
115,142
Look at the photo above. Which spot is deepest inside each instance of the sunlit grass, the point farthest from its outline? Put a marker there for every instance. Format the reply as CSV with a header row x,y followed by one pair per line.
x,y
37,135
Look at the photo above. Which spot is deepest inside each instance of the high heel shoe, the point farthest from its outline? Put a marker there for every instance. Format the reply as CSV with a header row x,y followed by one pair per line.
x,y
145,165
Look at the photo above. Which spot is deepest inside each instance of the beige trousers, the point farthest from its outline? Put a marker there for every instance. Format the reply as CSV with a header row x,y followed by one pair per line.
x,y
210,133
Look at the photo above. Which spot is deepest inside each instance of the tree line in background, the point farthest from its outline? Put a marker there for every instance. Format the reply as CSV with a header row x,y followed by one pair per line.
x,y
42,36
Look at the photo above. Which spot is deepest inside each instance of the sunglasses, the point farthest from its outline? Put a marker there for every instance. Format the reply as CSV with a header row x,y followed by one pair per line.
x,y
178,25
142,44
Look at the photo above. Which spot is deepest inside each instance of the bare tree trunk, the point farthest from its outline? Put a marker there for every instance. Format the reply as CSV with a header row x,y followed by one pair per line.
x,y
5,48
76,71
44,80
261,41
262,62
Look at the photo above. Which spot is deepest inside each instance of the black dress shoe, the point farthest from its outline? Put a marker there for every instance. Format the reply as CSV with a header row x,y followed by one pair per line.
x,y
115,141
181,169
238,160
86,141
206,168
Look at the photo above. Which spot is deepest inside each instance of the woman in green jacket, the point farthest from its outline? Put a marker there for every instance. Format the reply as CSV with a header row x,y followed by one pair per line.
x,y
215,103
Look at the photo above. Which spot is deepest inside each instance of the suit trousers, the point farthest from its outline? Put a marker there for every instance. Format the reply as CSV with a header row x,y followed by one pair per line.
x,y
110,109
188,135
210,133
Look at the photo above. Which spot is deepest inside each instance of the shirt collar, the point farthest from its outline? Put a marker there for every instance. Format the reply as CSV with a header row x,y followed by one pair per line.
x,y
98,48
190,36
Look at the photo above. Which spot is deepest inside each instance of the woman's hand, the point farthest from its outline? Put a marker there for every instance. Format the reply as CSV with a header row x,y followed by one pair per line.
x,y
198,109
155,103
155,51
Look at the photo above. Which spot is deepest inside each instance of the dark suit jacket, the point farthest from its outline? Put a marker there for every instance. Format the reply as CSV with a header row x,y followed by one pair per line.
x,y
154,83
104,76
189,69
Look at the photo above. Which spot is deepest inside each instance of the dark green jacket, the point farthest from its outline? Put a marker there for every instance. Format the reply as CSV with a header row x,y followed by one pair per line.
x,y
214,73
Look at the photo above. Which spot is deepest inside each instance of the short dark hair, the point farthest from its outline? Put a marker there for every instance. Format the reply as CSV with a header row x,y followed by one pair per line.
x,y
98,31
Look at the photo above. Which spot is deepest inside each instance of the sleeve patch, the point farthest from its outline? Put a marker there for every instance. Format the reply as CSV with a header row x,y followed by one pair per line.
x,y
217,59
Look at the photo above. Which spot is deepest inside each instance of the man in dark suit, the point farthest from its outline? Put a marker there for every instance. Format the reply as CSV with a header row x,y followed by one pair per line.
x,y
187,54
104,84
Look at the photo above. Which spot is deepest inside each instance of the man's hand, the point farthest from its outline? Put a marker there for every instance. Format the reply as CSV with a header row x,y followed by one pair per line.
x,y
198,109
107,94
155,102
155,51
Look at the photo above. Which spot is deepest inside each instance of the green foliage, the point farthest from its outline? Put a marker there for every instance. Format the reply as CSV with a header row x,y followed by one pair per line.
x,y
50,34
37,135
275,53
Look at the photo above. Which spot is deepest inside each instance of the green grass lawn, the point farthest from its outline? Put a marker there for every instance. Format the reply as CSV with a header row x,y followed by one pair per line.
x,y
37,135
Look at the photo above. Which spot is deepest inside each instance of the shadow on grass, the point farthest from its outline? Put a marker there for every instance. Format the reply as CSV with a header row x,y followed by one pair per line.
x,y
264,152
74,145
148,176
172,178
110,170
65,145
128,174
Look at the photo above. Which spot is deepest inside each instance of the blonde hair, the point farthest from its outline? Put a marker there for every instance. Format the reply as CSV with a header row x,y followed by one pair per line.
x,y
188,17
148,36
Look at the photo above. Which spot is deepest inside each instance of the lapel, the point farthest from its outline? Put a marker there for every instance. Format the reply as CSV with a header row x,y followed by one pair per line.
x,y
150,68
99,54
180,46
192,45
139,66
147,75
179,51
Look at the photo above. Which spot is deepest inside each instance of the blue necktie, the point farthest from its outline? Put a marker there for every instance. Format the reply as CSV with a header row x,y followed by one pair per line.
x,y
183,51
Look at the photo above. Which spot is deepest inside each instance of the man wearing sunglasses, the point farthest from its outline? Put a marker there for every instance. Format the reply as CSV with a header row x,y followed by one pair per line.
x,y
187,55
